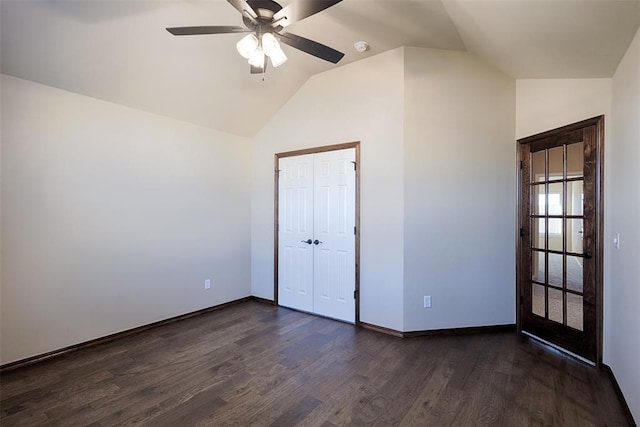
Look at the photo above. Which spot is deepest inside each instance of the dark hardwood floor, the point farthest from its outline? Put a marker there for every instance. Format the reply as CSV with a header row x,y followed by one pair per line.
x,y
254,365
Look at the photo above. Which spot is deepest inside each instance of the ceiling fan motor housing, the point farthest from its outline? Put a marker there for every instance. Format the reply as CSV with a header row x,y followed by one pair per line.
x,y
265,9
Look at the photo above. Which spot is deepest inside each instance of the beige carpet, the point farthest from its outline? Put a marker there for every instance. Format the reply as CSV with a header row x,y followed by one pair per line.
x,y
574,306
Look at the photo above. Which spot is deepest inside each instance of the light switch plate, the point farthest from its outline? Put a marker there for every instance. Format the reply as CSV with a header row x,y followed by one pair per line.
x,y
427,301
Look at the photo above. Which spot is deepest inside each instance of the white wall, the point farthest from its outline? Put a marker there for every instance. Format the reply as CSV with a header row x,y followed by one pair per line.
x,y
112,218
416,112
545,104
362,101
622,339
459,231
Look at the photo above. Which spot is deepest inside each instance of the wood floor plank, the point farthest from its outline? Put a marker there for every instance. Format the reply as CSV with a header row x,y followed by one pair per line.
x,y
423,409
256,365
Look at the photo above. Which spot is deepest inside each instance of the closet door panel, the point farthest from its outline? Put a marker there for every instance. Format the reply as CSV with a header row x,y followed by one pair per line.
x,y
295,219
334,234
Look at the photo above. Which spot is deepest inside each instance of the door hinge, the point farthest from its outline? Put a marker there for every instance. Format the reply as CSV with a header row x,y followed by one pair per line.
x,y
520,164
521,300
354,230
521,232
355,293
354,165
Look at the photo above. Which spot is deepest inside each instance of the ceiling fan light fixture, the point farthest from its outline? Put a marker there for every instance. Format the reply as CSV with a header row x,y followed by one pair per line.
x,y
278,58
273,50
247,46
257,59
270,44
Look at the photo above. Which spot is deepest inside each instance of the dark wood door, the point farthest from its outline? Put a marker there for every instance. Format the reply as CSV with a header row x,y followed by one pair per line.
x,y
560,250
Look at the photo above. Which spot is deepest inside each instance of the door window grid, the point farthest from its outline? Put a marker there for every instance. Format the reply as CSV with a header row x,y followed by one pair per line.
x,y
552,209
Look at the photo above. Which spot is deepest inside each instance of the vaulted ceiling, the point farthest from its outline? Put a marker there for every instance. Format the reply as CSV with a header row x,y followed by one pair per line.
x,y
119,51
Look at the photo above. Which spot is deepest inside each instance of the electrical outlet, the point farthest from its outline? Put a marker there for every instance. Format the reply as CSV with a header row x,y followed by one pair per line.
x,y
207,284
427,301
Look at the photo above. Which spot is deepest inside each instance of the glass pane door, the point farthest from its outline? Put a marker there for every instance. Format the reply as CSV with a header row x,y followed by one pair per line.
x,y
559,270
556,197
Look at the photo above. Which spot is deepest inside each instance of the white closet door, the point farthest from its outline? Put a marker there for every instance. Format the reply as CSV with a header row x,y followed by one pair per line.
x,y
334,235
316,238
295,219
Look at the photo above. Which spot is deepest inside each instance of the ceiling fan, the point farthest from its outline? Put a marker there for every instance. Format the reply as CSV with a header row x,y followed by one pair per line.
x,y
265,21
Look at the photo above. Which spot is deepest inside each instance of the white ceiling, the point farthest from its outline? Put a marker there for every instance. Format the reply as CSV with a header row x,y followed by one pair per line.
x,y
119,51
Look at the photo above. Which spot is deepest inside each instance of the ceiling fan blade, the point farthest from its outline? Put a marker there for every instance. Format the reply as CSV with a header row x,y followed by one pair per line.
x,y
309,46
243,7
300,9
189,31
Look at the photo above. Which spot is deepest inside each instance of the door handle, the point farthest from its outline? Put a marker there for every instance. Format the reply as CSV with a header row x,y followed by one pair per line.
x,y
308,241
316,242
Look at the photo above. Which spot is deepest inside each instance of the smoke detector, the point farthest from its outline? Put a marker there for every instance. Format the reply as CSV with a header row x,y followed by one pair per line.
x,y
361,46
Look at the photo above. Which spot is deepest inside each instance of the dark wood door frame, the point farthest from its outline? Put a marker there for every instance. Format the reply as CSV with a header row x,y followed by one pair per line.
x,y
521,255
315,150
